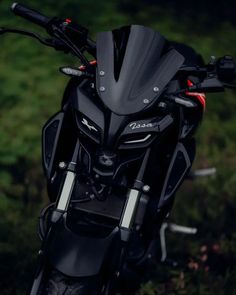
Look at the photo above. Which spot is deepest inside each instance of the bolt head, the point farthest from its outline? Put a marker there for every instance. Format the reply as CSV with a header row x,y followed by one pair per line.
x,y
62,165
146,101
156,89
146,188
92,196
101,73
102,88
162,104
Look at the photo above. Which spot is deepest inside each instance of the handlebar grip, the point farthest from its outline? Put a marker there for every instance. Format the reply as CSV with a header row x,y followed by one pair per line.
x,y
30,14
226,68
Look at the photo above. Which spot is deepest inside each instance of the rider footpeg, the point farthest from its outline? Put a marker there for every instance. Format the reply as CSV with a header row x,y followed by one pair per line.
x,y
176,229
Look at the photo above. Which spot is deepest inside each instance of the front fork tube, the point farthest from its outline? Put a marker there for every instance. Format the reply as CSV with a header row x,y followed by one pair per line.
x,y
126,224
63,200
130,210
61,207
129,213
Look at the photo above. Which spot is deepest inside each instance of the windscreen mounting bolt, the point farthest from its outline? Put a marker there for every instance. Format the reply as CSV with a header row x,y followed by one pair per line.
x,y
146,101
156,89
102,73
102,88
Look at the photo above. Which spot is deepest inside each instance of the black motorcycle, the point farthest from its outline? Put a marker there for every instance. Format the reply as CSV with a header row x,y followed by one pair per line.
x,y
116,152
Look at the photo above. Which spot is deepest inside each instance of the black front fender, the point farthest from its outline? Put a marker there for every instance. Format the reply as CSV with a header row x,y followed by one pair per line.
x,y
78,256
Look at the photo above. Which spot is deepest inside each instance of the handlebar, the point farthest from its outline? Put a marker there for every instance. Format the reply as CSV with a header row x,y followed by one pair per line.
x,y
226,68
71,37
67,35
30,14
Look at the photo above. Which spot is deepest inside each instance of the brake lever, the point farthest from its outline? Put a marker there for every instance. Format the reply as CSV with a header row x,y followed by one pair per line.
x,y
211,84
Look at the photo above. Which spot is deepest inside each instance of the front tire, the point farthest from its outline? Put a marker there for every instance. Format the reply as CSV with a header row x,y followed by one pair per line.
x,y
58,284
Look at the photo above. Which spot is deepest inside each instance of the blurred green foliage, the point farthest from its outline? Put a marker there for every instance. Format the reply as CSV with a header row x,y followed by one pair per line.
x,y
30,92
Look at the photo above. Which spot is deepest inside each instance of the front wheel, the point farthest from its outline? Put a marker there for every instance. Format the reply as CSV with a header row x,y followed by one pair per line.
x,y
58,284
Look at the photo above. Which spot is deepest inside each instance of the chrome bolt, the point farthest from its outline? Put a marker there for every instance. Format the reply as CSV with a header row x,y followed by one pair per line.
x,y
101,73
156,89
146,188
102,88
146,101
162,104
62,165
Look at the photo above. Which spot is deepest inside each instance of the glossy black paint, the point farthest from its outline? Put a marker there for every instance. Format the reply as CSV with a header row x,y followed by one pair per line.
x,y
115,133
120,132
180,164
77,255
144,72
51,132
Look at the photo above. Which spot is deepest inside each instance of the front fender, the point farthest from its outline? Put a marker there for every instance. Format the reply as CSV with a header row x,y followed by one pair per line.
x,y
78,256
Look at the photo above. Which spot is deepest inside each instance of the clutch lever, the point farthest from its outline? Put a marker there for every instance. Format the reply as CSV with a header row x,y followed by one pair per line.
x,y
56,44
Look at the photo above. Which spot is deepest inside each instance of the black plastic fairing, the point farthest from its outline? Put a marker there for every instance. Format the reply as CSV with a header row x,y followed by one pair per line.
x,y
50,137
180,164
154,124
85,104
141,133
89,113
147,66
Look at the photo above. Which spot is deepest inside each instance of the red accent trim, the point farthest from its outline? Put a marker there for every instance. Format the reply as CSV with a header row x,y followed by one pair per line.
x,y
92,62
200,96
189,83
68,20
